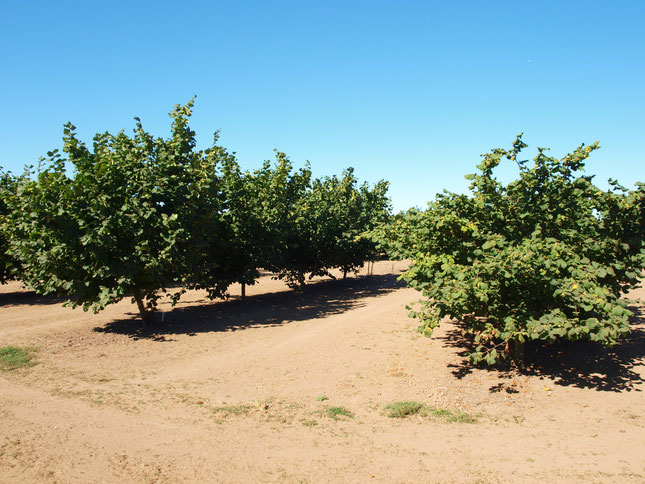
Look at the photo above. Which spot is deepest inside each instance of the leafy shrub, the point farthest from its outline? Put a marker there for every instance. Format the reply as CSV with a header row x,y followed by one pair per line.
x,y
545,257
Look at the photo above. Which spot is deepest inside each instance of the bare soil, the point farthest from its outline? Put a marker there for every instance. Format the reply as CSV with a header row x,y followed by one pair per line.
x,y
245,391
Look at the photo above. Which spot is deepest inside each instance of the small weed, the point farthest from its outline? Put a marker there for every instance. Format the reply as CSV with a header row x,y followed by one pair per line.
x,y
407,408
309,423
627,414
12,357
232,410
322,398
263,404
404,409
337,412
452,415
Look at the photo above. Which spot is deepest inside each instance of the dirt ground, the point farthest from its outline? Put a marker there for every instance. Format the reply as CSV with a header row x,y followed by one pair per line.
x,y
249,391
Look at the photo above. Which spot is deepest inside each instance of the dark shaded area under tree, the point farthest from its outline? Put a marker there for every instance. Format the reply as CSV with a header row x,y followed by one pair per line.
x,y
316,300
582,364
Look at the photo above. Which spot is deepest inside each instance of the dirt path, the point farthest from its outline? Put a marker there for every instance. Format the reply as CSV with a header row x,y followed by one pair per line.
x,y
233,392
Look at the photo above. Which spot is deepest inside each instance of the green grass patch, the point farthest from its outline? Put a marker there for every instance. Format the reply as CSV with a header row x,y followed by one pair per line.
x,y
337,412
309,423
404,409
232,410
456,416
12,357
322,398
408,408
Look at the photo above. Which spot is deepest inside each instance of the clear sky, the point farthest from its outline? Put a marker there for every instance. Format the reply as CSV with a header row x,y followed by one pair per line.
x,y
412,92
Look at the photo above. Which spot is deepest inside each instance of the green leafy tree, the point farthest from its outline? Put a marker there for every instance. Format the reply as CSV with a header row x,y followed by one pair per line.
x,y
283,195
248,237
124,223
317,225
373,208
339,212
546,257
9,267
135,215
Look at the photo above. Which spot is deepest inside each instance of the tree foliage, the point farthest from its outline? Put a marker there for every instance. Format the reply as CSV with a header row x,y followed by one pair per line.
x,y
9,267
545,257
136,215
123,223
325,226
283,192
338,212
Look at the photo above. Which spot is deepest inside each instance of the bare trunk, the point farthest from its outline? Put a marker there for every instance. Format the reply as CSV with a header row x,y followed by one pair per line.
x,y
243,291
518,352
146,316
344,274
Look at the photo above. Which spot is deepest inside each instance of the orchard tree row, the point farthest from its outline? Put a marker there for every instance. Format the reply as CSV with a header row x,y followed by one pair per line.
x,y
145,217
544,258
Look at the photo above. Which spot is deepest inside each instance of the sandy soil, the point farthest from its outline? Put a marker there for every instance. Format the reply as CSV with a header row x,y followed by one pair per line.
x,y
231,392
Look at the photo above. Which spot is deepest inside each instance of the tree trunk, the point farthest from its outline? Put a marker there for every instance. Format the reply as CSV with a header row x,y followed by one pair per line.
x,y
518,352
344,274
243,291
146,316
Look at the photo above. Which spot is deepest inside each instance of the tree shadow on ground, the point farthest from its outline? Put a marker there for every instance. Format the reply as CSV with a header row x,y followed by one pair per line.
x,y
24,297
316,300
583,364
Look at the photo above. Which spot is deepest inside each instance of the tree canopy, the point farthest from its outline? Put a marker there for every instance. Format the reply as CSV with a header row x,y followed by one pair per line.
x,y
545,257
143,217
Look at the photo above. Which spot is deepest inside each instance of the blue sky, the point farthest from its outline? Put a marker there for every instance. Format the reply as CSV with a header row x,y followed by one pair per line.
x,y
412,92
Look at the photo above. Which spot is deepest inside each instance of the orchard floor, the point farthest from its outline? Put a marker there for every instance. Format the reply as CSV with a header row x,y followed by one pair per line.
x,y
232,392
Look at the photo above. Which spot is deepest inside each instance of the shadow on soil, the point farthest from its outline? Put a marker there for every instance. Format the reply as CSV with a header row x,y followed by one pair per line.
x,y
24,297
583,364
317,300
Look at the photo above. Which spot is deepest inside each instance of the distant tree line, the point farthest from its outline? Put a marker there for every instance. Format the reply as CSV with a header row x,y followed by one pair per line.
x,y
145,217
